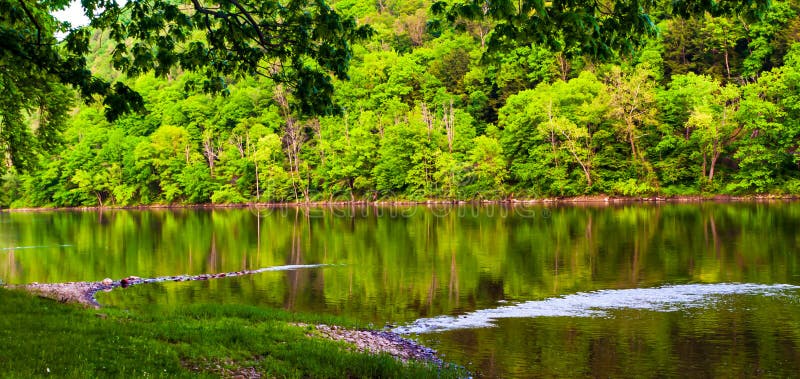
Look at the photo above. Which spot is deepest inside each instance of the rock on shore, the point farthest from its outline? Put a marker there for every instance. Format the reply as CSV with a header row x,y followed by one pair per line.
x,y
375,341
72,292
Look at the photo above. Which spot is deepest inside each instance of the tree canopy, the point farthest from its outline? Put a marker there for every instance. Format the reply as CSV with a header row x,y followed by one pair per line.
x,y
297,42
598,28
706,105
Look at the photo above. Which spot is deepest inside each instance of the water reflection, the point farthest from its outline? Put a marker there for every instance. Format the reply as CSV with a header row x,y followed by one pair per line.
x,y
439,259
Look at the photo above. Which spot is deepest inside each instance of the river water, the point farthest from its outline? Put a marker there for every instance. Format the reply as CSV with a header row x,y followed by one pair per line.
x,y
705,289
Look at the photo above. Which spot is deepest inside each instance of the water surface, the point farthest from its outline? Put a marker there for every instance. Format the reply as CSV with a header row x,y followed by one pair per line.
x,y
627,290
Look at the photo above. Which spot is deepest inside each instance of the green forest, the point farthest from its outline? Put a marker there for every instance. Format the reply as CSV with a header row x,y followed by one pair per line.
x,y
434,103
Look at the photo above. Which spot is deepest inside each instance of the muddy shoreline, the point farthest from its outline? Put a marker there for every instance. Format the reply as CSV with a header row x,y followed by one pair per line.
x,y
369,341
594,200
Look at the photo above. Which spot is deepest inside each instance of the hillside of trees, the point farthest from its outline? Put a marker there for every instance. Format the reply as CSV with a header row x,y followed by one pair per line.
x,y
708,105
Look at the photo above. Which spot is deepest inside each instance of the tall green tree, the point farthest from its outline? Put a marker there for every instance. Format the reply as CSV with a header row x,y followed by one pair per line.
x,y
548,134
632,99
715,126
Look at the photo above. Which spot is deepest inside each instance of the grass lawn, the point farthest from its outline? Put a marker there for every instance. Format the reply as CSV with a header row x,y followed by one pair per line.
x,y
40,337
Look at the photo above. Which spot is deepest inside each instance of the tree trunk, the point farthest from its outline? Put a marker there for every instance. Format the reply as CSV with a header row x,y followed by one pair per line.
x,y
727,64
258,190
427,117
563,66
705,160
449,120
714,159
553,145
632,140
585,169
210,153
552,133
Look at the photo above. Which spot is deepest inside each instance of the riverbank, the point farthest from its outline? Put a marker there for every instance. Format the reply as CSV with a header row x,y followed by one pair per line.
x,y
42,338
573,200
365,341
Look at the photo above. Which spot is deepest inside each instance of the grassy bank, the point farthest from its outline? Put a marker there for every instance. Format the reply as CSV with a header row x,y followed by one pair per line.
x,y
40,337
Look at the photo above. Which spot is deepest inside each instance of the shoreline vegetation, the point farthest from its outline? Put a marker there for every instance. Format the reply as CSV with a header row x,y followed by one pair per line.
x,y
374,344
573,200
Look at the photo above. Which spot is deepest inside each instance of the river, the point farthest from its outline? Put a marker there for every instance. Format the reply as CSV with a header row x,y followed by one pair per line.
x,y
626,290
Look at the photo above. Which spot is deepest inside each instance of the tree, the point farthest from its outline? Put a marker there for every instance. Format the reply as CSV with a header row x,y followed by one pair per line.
x,y
26,100
488,166
767,42
168,154
597,28
350,148
721,35
549,131
677,148
633,105
29,93
276,183
296,42
33,59
767,153
715,127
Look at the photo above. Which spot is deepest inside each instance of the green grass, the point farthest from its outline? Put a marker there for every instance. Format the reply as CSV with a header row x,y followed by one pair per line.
x,y
37,335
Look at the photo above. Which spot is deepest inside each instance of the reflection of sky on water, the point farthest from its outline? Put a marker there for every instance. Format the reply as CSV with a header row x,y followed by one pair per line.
x,y
598,303
33,247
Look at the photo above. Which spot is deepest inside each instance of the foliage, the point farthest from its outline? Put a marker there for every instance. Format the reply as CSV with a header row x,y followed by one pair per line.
x,y
437,105
300,43
596,28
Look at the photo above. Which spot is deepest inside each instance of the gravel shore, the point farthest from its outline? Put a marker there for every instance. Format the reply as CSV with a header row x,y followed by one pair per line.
x,y
72,292
374,341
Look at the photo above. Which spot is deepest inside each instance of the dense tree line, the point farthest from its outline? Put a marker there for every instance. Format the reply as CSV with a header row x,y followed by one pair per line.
x,y
705,104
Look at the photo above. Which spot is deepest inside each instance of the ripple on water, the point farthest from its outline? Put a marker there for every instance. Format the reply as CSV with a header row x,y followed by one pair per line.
x,y
597,304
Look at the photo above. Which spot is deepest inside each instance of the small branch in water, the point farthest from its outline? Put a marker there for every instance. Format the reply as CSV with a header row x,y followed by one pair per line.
x,y
83,292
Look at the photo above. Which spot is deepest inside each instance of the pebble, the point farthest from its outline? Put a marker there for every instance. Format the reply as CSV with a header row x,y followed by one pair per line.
x,y
381,341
